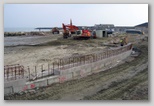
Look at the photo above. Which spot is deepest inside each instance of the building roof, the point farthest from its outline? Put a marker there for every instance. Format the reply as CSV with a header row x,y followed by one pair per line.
x,y
126,27
143,25
104,24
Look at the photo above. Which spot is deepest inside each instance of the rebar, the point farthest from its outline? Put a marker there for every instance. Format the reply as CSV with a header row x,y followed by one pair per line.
x,y
16,71
84,59
48,69
42,70
29,72
35,72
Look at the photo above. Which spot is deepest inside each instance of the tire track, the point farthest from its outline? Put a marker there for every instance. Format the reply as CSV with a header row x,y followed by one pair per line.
x,y
116,89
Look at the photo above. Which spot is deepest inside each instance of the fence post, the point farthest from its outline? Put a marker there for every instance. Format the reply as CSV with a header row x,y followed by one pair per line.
x,y
59,64
101,56
29,72
15,72
62,64
107,53
23,72
19,71
7,72
53,68
69,62
35,72
4,72
48,68
12,71
84,59
42,70
73,61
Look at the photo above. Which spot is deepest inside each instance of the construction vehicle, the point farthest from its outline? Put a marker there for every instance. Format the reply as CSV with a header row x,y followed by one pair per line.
x,y
86,34
72,29
69,29
89,33
55,30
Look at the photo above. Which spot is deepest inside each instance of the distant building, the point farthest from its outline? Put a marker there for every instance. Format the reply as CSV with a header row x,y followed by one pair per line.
x,y
104,26
134,31
101,33
110,28
142,27
86,27
122,29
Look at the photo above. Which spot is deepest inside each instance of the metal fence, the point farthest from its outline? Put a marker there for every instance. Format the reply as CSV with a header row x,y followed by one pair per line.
x,y
69,62
16,71
13,72
39,72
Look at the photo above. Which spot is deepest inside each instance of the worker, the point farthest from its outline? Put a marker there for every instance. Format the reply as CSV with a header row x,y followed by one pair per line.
x,y
94,34
121,42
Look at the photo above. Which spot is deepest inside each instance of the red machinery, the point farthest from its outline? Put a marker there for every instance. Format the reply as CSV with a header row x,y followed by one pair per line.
x,y
72,29
55,30
86,33
69,29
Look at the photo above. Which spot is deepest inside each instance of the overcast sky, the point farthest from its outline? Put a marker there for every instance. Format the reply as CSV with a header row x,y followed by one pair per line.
x,y
53,15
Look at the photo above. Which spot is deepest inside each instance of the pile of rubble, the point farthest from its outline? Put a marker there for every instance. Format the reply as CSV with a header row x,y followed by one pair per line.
x,y
23,33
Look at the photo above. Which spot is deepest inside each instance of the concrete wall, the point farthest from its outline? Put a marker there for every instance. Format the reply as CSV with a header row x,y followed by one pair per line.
x,y
67,74
87,69
41,82
14,86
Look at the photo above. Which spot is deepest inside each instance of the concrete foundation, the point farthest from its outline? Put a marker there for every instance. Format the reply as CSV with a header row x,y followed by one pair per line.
x,y
14,86
67,74
87,69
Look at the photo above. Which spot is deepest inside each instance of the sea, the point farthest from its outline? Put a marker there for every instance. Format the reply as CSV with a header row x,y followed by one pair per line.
x,y
23,29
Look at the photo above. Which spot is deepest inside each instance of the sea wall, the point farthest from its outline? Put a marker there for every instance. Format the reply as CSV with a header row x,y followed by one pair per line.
x,y
66,74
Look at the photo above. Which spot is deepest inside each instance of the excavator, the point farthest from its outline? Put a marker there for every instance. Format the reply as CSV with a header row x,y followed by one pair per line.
x,y
55,30
69,29
86,34
72,29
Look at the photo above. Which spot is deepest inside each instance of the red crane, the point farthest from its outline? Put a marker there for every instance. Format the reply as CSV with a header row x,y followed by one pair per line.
x,y
69,29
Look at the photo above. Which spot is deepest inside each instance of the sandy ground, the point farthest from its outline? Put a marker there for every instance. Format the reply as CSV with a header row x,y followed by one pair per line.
x,y
28,40
29,54
128,81
30,51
